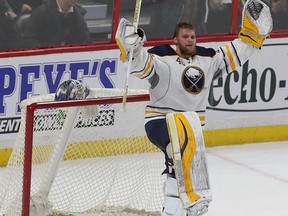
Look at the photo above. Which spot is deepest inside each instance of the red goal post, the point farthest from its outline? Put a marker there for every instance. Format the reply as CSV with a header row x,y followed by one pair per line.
x,y
65,163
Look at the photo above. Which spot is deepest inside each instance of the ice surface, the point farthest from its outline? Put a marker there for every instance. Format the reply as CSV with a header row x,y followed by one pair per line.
x,y
248,180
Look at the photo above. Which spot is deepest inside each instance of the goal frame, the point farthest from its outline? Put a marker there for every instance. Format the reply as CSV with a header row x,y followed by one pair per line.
x,y
30,110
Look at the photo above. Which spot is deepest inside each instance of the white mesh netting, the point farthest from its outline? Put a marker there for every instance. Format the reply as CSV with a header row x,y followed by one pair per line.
x,y
108,166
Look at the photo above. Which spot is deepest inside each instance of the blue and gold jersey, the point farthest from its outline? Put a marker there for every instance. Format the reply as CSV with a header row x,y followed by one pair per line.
x,y
178,84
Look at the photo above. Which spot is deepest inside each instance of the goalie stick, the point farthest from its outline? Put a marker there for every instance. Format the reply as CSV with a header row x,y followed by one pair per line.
x,y
135,24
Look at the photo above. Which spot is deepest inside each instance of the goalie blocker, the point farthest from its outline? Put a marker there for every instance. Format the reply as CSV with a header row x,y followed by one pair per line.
x,y
188,153
127,39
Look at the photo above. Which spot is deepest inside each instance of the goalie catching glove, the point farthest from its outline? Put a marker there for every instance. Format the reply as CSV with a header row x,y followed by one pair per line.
x,y
256,22
127,39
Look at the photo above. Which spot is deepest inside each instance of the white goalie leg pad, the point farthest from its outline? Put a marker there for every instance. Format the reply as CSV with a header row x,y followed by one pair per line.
x,y
189,159
172,204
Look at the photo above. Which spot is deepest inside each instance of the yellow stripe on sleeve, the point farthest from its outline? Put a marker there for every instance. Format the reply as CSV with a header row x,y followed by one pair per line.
x,y
230,57
146,68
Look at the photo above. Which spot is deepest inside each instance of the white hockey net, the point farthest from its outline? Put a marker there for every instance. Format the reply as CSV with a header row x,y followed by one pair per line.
x,y
100,165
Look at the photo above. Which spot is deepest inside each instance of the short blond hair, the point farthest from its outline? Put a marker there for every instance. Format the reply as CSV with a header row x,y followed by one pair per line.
x,y
182,25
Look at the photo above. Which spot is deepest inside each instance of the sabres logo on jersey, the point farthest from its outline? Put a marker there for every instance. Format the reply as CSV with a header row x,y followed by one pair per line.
x,y
193,79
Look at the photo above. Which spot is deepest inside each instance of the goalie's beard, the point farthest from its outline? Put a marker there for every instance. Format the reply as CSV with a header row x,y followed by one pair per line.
x,y
185,51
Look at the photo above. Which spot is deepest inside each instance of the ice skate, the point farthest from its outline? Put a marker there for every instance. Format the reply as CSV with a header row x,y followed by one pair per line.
x,y
172,204
199,208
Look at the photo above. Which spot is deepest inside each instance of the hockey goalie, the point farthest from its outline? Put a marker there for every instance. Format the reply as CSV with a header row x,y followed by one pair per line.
x,y
180,79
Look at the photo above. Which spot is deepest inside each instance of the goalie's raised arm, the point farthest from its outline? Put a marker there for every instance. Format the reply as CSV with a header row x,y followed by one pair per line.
x,y
256,26
127,39
256,22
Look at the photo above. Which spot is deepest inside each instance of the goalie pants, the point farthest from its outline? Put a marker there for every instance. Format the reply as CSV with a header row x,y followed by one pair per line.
x,y
157,133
